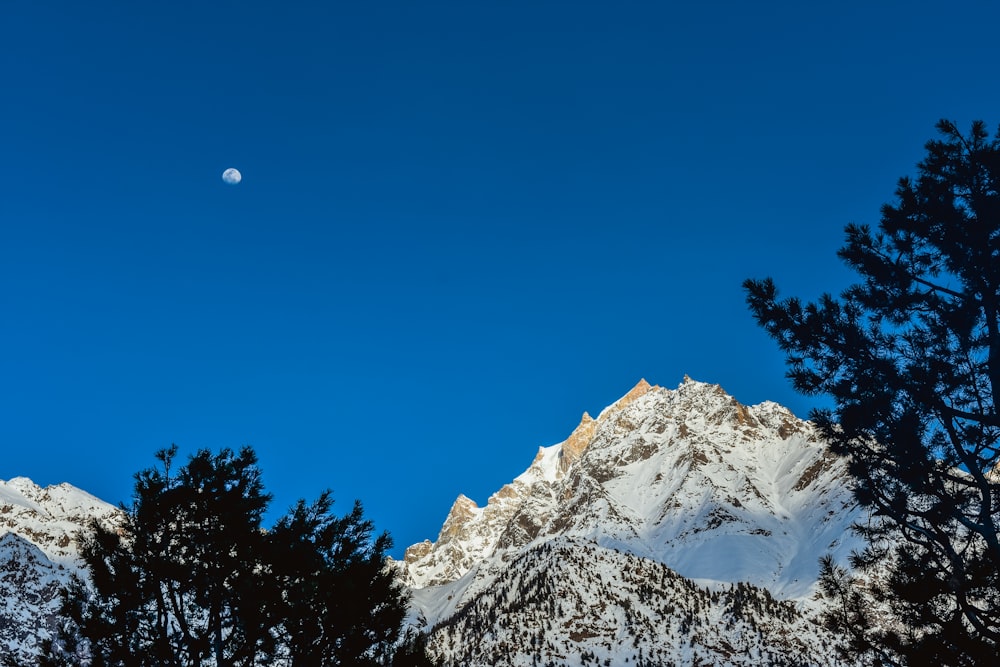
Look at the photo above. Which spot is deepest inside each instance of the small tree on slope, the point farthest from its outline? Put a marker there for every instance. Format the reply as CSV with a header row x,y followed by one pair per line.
x,y
911,357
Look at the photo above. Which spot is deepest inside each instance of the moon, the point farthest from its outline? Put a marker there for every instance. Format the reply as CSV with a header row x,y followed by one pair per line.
x,y
232,176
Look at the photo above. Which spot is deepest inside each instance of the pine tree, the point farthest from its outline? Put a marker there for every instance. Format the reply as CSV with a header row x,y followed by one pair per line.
x,y
190,578
167,584
911,358
337,602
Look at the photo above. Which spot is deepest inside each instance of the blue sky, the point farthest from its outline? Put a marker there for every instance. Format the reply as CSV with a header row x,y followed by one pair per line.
x,y
460,225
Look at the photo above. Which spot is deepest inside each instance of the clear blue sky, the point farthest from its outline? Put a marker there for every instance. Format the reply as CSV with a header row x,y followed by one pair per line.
x,y
461,224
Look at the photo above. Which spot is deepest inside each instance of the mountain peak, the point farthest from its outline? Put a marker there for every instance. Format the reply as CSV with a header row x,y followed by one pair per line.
x,y
462,511
638,391
640,388
576,443
678,476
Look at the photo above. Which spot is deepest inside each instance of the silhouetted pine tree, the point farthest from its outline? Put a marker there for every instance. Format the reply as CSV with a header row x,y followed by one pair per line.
x,y
911,357
190,578
334,598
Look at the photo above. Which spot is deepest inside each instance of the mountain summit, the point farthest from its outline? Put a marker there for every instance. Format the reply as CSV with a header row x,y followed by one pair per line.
x,y
686,481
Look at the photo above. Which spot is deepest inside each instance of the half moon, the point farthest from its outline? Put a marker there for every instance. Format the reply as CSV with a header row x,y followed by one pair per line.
x,y
232,176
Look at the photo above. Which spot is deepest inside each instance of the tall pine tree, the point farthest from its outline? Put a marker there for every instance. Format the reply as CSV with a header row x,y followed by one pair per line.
x,y
911,358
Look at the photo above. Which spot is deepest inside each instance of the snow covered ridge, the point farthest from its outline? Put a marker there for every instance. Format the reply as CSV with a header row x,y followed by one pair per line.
x,y
50,517
691,478
678,526
38,553
572,602
688,480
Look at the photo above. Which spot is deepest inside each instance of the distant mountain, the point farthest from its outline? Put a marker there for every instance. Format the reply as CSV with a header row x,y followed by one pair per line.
x,y
679,526
38,554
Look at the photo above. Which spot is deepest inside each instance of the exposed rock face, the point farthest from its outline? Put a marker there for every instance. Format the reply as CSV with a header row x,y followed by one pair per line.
x,y
576,443
38,554
689,479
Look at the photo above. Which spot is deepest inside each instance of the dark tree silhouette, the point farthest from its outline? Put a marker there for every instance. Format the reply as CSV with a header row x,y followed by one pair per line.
x,y
911,358
191,578
336,601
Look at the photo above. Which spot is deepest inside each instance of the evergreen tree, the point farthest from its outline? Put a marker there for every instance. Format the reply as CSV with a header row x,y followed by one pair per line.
x,y
336,601
167,583
190,578
911,358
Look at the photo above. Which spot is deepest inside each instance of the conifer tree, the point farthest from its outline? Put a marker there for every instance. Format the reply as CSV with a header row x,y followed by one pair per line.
x,y
334,598
190,578
910,356
168,584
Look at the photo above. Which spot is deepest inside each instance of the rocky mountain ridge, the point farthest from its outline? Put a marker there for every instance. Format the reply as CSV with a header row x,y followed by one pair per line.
x,y
677,527
690,481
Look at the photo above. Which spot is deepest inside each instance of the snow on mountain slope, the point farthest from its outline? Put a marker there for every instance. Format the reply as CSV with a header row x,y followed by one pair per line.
x,y
571,601
51,517
29,595
721,493
677,527
690,478
38,554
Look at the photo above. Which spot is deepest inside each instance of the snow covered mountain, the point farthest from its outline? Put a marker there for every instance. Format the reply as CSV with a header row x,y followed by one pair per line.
x,y
38,554
679,526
